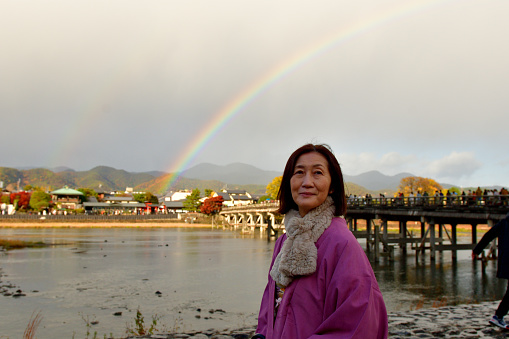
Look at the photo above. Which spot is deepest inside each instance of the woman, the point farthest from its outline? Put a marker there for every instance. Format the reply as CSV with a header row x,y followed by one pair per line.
x,y
321,284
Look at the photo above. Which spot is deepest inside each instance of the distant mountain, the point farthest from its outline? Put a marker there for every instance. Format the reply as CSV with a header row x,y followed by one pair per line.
x,y
234,174
111,179
376,181
238,173
354,189
154,173
160,185
43,177
61,169
202,176
100,177
54,169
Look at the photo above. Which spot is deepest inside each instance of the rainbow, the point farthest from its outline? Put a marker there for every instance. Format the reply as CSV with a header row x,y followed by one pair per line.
x,y
263,83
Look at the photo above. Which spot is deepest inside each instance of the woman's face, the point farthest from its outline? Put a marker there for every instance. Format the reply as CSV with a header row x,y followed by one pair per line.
x,y
310,182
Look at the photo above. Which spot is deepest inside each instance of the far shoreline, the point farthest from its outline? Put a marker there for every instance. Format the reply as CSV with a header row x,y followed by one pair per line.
x,y
154,223
99,224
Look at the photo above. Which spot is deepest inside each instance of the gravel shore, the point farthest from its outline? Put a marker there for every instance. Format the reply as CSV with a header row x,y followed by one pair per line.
x,y
463,321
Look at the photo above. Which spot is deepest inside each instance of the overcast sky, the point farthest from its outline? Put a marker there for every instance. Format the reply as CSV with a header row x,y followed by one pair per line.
x,y
394,86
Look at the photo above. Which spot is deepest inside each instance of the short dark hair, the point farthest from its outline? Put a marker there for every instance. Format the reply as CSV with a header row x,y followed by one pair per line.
x,y
286,202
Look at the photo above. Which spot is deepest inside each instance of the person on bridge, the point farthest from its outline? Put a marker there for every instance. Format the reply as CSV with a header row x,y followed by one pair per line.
x,y
320,282
500,231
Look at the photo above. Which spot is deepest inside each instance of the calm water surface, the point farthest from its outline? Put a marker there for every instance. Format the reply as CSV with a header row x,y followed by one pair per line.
x,y
91,273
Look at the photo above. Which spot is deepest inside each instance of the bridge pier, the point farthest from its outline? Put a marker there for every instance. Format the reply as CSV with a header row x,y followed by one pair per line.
x,y
434,231
376,242
434,220
368,234
271,232
432,252
402,232
251,217
474,233
454,241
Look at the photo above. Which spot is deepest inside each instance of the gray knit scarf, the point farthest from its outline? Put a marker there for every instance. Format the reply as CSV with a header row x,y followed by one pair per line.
x,y
299,254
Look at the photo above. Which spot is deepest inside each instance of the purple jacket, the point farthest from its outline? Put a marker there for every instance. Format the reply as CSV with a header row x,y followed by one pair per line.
x,y
340,300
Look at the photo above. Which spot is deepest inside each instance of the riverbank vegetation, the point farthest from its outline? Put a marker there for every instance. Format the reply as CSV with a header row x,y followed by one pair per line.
x,y
33,324
9,244
138,328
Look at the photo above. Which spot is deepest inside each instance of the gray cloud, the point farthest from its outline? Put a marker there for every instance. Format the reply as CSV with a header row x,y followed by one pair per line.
x,y
454,166
131,85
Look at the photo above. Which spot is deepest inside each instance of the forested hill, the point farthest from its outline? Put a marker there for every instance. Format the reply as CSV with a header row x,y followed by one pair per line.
x,y
204,176
160,185
100,177
109,179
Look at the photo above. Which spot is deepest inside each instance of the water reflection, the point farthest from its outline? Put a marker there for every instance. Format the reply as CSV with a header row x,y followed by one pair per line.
x,y
97,272
408,283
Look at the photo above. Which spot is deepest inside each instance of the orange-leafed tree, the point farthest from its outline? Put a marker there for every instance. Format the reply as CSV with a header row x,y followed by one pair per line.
x,y
20,200
212,205
419,184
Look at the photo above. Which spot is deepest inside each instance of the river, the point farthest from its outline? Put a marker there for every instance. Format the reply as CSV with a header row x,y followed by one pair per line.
x,y
189,278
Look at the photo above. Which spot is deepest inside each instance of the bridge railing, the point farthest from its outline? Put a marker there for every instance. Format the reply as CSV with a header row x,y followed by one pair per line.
x,y
471,202
264,205
456,201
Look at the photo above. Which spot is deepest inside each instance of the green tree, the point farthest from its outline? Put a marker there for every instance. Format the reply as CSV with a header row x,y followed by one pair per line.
x,y
140,197
208,192
273,187
263,198
87,192
151,198
39,200
192,202
419,184
146,197
454,189
6,199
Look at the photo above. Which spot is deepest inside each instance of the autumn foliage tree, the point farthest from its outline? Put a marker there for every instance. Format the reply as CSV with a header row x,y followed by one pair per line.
x,y
20,200
212,205
419,184
273,188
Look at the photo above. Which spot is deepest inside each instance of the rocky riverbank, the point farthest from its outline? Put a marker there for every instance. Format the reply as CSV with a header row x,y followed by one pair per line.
x,y
463,321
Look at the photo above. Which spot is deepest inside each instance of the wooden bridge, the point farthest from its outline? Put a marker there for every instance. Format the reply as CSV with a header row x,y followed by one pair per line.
x,y
437,218
253,216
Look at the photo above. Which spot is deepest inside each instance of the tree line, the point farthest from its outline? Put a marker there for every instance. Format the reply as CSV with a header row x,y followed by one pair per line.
x,y
36,199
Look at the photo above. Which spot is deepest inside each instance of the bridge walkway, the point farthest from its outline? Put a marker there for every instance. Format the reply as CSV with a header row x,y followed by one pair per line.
x,y
373,219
